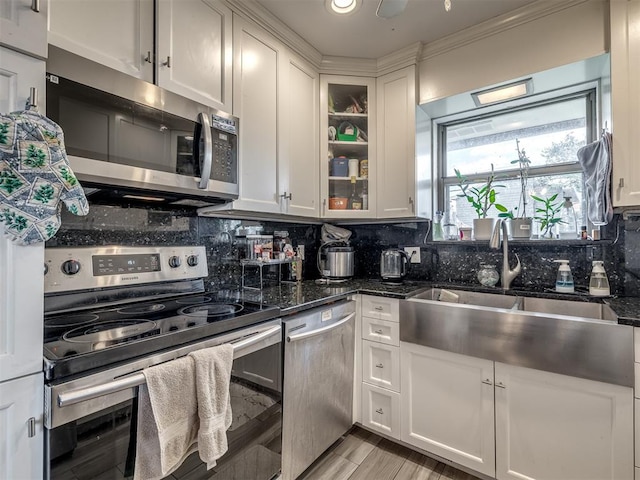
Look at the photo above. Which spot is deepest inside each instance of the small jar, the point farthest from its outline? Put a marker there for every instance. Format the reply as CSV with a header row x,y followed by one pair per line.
x,y
488,275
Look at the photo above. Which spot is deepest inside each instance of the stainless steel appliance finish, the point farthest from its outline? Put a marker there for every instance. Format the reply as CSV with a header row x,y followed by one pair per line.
x,y
593,349
318,383
338,261
393,264
111,312
124,132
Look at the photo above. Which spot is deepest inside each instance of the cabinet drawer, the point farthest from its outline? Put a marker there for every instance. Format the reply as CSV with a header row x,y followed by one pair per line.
x,y
381,331
381,365
381,308
381,410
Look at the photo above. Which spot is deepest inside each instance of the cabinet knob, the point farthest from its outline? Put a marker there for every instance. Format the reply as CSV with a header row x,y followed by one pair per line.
x,y
285,196
380,411
621,183
501,385
168,62
378,308
148,57
379,365
35,6
413,206
31,427
379,332
487,382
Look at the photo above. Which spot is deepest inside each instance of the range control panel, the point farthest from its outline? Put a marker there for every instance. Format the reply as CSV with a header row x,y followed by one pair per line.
x,y
84,268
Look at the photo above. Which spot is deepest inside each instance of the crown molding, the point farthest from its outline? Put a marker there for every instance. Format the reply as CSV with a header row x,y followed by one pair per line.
x,y
361,67
252,10
521,16
405,57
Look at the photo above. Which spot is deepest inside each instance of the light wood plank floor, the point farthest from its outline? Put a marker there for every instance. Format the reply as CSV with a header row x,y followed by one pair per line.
x,y
362,455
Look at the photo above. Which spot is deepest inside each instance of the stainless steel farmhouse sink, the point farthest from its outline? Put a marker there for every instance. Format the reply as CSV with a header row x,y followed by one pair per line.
x,y
575,338
582,310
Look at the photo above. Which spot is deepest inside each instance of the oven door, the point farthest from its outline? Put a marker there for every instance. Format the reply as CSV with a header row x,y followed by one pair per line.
x,y
89,419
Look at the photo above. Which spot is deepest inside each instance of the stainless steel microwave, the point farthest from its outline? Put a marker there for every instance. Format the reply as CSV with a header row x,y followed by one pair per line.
x,y
136,138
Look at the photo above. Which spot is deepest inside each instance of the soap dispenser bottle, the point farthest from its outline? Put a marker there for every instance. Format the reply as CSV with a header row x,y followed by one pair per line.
x,y
564,280
598,282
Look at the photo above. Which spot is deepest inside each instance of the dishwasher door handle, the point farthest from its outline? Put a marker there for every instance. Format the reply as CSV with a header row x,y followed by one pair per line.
x,y
318,331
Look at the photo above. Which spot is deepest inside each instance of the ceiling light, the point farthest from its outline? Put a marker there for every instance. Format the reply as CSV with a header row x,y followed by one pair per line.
x,y
447,5
503,92
342,7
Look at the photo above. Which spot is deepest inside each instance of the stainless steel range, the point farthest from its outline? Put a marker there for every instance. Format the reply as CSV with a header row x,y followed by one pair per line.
x,y
112,311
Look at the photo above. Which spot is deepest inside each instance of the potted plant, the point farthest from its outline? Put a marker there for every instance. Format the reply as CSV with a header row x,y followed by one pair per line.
x,y
481,198
547,214
520,222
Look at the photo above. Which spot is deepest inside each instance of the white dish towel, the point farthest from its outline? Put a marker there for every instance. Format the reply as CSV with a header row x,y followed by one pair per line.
x,y
167,419
213,376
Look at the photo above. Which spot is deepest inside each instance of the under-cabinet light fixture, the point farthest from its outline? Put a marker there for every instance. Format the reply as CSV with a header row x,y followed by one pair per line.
x,y
145,198
502,93
342,7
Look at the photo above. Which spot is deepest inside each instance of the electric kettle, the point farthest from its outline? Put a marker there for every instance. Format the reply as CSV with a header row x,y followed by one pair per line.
x,y
393,265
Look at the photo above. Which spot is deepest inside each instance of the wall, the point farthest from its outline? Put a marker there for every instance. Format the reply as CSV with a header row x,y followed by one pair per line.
x,y
497,54
450,262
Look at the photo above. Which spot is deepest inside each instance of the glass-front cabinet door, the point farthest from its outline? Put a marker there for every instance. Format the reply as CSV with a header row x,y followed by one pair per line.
x,y
348,139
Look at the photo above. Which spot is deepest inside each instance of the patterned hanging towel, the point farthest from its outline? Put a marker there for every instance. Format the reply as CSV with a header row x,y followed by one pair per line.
x,y
34,177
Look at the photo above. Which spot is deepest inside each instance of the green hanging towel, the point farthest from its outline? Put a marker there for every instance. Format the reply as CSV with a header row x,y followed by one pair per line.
x,y
34,176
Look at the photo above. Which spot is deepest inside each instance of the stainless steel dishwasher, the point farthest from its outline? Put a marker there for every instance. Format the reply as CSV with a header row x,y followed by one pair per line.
x,y
317,396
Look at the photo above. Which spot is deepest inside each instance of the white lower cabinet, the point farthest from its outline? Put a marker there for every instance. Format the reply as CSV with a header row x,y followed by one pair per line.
x,y
447,405
546,427
551,426
381,365
21,424
381,410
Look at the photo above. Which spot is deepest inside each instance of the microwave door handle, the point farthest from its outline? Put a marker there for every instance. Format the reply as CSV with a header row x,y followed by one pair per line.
x,y
205,171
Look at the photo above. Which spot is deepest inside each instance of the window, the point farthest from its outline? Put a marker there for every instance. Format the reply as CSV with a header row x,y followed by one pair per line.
x,y
549,133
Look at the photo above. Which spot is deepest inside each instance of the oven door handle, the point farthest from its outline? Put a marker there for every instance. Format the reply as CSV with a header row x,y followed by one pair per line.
x,y
240,348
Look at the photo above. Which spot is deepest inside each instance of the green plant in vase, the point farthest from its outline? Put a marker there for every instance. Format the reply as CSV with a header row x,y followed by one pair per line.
x,y
482,197
547,214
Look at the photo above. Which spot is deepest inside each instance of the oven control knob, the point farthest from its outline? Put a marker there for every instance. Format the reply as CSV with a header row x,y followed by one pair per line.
x,y
192,260
174,261
70,267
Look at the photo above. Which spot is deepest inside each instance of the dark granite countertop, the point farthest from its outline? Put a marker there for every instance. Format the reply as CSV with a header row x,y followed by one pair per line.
x,y
297,297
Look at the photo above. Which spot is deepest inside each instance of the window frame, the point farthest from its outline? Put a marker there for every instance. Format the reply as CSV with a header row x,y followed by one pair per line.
x,y
589,90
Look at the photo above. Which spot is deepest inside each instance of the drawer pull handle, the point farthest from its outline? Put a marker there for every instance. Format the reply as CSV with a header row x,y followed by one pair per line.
x,y
487,382
35,6
379,332
379,365
378,308
501,385
167,63
380,411
148,57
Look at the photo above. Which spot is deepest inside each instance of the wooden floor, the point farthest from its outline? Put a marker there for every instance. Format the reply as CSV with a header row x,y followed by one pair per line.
x,y
362,455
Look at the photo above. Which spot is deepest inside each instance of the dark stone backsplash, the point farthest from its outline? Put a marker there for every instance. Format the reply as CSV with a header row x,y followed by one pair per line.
x,y
451,262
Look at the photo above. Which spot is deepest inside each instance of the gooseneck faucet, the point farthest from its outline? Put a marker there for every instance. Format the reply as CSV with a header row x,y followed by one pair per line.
x,y
507,274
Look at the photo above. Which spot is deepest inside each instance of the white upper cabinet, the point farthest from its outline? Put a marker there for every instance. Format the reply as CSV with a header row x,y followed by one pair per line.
x,y
258,99
21,284
625,92
348,147
23,26
276,99
116,34
396,182
300,139
194,53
